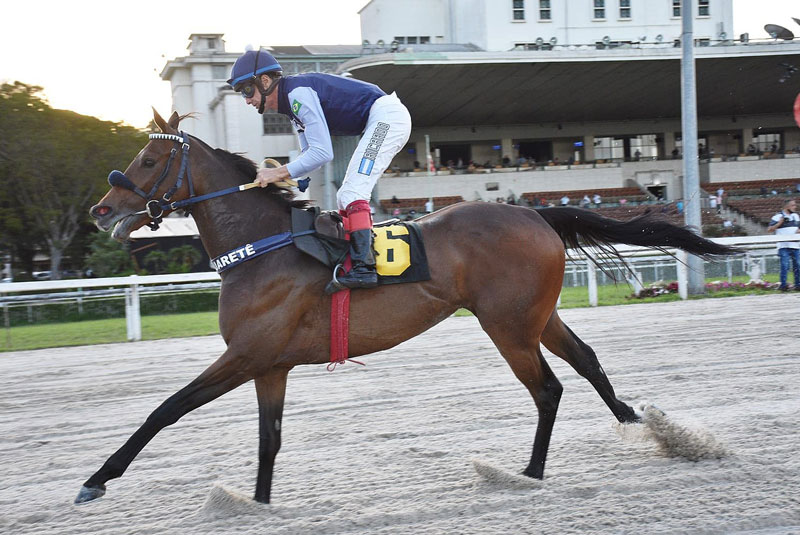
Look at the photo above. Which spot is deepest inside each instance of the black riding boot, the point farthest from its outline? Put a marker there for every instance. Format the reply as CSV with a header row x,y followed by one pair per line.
x,y
362,274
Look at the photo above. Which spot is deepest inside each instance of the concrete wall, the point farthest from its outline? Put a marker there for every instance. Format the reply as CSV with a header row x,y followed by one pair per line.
x,y
490,24
473,186
385,19
788,167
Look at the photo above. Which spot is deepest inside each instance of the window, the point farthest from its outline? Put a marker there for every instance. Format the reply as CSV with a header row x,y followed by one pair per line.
x,y
676,8
624,9
412,40
400,39
544,10
212,43
702,8
767,142
275,123
599,9
518,8
425,39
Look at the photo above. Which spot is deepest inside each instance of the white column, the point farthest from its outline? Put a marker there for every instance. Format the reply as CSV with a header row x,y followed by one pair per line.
x,y
588,148
683,275
507,149
133,318
591,275
669,144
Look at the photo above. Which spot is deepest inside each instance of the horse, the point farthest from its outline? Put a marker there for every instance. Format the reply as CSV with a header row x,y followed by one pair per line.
x,y
503,263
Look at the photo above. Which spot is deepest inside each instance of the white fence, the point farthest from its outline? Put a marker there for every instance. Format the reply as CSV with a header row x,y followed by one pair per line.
x,y
755,247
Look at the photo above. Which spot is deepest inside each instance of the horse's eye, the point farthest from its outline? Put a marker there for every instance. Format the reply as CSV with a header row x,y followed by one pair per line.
x,y
149,162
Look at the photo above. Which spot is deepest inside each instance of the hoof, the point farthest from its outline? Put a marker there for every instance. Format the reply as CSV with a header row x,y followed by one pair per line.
x,y
88,494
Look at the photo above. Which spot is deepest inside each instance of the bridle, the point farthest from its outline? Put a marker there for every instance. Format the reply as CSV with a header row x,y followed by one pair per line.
x,y
155,208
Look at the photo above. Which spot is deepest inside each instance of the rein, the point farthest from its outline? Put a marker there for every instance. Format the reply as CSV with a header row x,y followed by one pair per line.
x,y
155,208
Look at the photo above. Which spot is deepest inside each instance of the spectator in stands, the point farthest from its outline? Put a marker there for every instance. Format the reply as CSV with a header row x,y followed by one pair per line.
x,y
797,187
637,155
675,153
564,200
320,105
429,206
679,206
787,223
506,161
763,191
596,199
585,202
751,149
712,202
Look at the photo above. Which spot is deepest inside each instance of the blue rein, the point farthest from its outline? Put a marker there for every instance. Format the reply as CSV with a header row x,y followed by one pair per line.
x,y
155,208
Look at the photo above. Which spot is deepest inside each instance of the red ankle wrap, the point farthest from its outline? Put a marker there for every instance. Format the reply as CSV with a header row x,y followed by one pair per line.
x,y
359,216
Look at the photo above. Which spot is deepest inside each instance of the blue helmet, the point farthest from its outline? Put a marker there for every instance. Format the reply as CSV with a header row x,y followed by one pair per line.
x,y
251,64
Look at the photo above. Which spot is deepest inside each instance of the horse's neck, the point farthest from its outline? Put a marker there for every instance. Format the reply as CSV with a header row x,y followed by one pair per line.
x,y
230,221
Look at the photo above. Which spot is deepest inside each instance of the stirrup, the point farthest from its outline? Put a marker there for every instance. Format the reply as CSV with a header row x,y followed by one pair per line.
x,y
334,285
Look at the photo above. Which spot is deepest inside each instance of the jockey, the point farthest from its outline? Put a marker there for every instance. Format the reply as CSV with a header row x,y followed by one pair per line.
x,y
319,106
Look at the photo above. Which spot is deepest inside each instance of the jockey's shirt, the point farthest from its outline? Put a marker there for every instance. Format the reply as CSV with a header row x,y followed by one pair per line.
x,y
321,105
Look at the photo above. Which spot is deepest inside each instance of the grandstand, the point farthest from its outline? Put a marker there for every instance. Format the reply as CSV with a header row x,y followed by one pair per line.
x,y
607,195
417,204
754,187
758,210
668,211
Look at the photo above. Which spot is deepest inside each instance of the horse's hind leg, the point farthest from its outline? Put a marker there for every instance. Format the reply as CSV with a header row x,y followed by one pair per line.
x,y
525,358
224,375
561,341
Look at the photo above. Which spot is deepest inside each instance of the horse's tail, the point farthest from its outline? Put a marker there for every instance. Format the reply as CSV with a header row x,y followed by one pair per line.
x,y
580,228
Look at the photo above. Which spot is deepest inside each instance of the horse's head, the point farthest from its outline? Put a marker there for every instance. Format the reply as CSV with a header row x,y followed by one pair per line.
x,y
152,173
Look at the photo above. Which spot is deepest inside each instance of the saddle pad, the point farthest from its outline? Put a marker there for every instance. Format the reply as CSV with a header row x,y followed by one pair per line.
x,y
400,253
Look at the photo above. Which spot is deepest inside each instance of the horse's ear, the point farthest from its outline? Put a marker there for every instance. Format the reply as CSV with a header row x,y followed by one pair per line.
x,y
174,120
160,122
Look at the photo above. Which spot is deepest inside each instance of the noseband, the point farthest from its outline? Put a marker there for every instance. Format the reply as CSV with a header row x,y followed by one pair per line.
x,y
154,208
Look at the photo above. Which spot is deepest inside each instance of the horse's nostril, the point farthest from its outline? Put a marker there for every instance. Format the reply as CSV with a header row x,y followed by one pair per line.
x,y
99,210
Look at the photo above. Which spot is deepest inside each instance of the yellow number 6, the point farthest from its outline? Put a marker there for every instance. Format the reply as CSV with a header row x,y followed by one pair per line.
x,y
393,252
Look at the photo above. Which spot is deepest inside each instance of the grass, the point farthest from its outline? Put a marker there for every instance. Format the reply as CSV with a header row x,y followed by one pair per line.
x,y
205,323
107,331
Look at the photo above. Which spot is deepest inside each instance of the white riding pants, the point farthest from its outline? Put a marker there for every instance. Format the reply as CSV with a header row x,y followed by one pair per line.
x,y
387,131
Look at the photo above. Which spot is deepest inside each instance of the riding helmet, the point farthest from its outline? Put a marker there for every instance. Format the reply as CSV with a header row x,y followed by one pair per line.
x,y
251,64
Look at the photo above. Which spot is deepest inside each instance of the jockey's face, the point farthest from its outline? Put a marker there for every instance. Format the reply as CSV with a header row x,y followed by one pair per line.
x,y
255,99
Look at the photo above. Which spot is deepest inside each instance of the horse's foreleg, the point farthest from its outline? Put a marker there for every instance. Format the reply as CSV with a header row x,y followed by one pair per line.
x,y
224,375
561,341
271,391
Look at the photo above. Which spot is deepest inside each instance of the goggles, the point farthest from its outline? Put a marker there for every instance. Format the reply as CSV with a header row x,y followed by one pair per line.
x,y
247,89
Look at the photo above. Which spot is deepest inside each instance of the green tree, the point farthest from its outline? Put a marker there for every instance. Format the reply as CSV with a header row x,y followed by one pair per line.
x,y
55,164
183,258
108,257
156,262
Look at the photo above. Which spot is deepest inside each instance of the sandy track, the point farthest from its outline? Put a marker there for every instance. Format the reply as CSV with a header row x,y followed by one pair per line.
x,y
388,448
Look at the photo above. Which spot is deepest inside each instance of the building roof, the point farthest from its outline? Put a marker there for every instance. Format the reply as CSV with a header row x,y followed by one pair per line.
x,y
574,84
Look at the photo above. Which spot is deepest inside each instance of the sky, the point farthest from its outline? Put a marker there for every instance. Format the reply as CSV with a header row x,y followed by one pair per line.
x,y
103,58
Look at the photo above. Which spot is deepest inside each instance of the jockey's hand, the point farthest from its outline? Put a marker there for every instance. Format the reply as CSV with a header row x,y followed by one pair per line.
x,y
269,175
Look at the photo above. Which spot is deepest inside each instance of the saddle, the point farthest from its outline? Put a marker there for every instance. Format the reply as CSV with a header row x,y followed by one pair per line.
x,y
399,249
320,235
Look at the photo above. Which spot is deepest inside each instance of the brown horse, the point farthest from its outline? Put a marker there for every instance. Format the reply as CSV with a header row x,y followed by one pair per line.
x,y
503,263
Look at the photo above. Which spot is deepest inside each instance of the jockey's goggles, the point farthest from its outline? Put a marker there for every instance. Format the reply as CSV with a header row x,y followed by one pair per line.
x,y
247,89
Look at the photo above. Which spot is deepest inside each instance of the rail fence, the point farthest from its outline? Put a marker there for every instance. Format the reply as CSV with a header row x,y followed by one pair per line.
x,y
759,258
